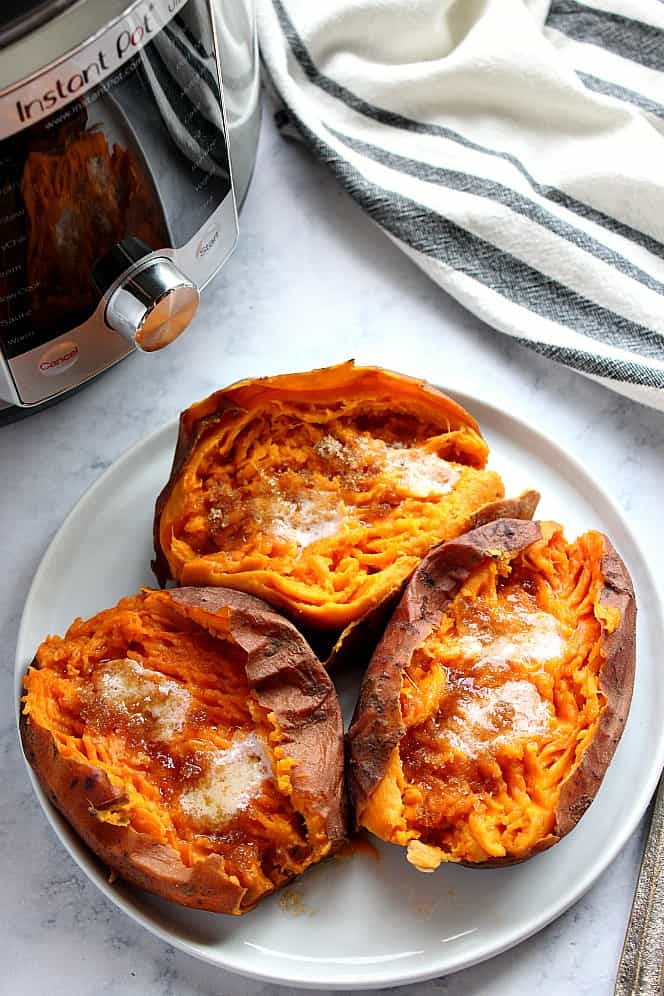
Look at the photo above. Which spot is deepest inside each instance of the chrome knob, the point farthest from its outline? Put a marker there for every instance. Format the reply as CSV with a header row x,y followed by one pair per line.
x,y
153,305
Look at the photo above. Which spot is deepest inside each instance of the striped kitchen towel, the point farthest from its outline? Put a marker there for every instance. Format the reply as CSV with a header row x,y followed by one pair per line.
x,y
513,149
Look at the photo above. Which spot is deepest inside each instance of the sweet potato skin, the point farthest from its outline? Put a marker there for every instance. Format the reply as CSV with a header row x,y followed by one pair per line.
x,y
377,726
289,681
78,790
616,682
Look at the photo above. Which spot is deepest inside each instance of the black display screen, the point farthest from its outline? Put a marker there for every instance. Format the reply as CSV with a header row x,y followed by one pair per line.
x,y
127,140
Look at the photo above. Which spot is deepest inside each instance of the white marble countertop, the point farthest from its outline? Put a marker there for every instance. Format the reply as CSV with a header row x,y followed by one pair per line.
x,y
312,282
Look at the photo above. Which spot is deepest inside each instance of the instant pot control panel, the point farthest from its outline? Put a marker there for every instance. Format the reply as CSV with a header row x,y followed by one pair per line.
x,y
116,198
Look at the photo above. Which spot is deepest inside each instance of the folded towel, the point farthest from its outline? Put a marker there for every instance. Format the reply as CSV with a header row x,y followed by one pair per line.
x,y
513,149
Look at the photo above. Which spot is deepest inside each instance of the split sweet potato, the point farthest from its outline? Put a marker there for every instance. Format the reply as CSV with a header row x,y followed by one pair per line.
x,y
320,492
493,704
194,742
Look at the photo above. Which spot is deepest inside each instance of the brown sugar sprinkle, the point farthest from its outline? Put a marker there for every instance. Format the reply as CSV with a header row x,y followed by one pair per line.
x,y
329,448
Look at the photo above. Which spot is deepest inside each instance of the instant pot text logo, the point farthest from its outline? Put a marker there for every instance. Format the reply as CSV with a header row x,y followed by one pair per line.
x,y
62,90
72,77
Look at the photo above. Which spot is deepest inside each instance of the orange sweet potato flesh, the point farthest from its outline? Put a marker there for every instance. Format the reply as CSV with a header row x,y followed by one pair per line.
x,y
321,491
193,741
492,706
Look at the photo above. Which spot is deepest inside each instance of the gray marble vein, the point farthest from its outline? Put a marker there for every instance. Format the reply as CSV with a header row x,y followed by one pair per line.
x,y
311,282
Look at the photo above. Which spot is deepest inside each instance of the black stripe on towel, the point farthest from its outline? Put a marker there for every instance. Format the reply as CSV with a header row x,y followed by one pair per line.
x,y
394,120
512,199
624,36
599,366
430,234
621,93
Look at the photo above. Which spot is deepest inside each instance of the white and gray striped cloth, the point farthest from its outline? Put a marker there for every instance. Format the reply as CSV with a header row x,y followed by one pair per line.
x,y
513,149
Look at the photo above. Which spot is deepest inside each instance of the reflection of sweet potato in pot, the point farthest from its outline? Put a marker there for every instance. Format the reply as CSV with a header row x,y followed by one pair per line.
x,y
194,742
80,199
319,491
494,702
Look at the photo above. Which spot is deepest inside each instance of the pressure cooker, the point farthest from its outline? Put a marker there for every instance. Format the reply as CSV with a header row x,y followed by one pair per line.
x,y
128,136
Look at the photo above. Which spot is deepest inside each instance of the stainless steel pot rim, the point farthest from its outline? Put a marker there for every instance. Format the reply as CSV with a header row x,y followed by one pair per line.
x,y
57,35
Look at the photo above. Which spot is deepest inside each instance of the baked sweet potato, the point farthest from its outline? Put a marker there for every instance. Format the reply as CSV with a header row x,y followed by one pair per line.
x,y
321,491
195,743
494,702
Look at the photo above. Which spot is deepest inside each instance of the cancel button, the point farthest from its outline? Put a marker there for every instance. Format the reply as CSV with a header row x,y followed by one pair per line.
x,y
59,357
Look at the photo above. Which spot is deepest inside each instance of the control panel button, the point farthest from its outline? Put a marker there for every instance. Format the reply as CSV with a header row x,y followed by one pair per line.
x,y
58,358
153,305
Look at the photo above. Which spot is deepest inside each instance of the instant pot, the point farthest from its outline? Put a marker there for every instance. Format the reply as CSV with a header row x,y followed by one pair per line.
x,y
128,137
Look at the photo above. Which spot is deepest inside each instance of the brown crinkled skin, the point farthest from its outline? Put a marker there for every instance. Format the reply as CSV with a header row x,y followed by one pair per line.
x,y
289,682
78,791
377,726
617,682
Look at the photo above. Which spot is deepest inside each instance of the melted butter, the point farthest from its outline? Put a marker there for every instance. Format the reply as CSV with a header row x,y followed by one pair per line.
x,y
415,472
493,716
500,636
537,638
313,517
420,474
316,514
411,470
230,780
138,696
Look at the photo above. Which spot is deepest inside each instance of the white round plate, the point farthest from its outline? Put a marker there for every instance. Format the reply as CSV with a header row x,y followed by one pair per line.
x,y
357,922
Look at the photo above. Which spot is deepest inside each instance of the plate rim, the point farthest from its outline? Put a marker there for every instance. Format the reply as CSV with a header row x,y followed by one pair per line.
x,y
84,858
